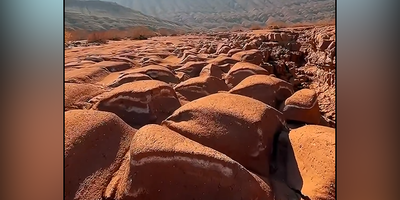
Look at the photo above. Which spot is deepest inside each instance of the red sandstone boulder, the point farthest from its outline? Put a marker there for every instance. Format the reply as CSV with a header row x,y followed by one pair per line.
x,y
233,51
78,64
157,72
249,46
220,45
77,96
96,144
124,62
192,69
139,102
191,58
189,171
238,126
182,76
212,70
127,78
302,106
87,74
310,166
242,70
202,86
265,88
150,60
279,37
252,56
186,53
221,60
224,49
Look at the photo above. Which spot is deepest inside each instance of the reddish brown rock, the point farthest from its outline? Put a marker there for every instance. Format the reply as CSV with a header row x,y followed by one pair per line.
x,y
332,45
225,68
186,53
323,44
78,64
202,86
211,49
220,45
279,37
249,46
310,166
242,70
203,50
212,70
222,60
88,74
161,55
96,143
266,45
192,69
246,127
295,56
275,37
302,106
266,53
191,58
269,67
127,78
94,58
224,50
149,60
257,41
252,56
182,76
233,51
322,59
140,102
77,96
293,46
157,72
267,89
121,60
189,171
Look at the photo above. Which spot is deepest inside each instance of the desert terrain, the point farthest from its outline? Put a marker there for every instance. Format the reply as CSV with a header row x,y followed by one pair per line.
x,y
208,115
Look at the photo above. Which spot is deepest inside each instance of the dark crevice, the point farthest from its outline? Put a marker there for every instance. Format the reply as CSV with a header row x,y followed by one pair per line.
x,y
299,193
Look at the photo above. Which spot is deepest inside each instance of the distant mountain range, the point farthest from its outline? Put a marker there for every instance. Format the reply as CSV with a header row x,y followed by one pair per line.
x,y
95,15
217,13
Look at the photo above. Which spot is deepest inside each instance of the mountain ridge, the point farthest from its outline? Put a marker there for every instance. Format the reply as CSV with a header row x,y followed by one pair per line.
x,y
95,15
214,13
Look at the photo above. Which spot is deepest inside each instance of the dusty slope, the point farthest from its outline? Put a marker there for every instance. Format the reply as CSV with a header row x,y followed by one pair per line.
x,y
214,13
96,15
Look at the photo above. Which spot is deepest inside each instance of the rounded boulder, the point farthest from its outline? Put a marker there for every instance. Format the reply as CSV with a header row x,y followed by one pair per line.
x,y
189,171
242,70
240,127
212,70
77,96
302,106
202,86
265,88
96,144
310,166
157,72
140,102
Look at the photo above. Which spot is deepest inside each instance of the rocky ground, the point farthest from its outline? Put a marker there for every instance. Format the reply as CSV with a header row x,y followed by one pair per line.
x,y
242,115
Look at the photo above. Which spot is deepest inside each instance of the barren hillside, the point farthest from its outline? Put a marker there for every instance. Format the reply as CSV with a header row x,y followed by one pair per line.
x,y
94,15
216,13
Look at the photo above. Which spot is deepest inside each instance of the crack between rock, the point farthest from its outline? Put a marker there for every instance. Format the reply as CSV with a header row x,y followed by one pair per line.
x,y
305,197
